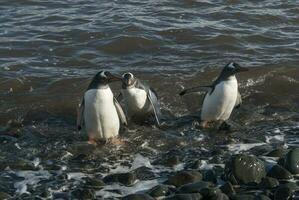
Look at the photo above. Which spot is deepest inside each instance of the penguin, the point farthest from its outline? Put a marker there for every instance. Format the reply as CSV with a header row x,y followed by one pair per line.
x,y
99,110
140,101
221,97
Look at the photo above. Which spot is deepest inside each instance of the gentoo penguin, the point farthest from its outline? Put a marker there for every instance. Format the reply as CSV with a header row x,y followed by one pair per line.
x,y
222,96
140,101
99,110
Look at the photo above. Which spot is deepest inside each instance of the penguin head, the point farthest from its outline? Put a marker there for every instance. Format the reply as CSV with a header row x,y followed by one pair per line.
x,y
232,68
104,78
128,80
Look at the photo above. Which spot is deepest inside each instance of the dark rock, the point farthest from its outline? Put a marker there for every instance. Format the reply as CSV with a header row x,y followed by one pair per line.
x,y
195,165
4,196
195,187
228,188
293,186
138,197
280,152
144,173
210,176
184,177
61,195
83,194
261,150
282,193
245,169
208,193
279,172
123,178
249,197
194,196
292,161
159,190
17,164
94,183
220,196
269,182
171,161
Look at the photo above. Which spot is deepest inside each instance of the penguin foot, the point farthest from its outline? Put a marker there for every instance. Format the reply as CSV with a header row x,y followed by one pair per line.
x,y
224,127
203,124
117,141
92,142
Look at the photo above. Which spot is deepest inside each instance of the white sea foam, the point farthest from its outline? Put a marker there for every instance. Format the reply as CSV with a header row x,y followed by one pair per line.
x,y
76,176
274,138
123,190
238,148
30,178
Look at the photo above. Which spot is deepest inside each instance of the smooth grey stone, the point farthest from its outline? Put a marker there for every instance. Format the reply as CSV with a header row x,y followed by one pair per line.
x,y
4,196
124,178
292,161
249,197
83,194
280,152
184,177
208,193
245,169
280,173
138,197
195,187
228,188
220,196
283,193
269,182
193,196
159,190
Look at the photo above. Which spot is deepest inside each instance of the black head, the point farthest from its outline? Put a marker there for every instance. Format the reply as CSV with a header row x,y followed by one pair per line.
x,y
128,79
103,78
232,68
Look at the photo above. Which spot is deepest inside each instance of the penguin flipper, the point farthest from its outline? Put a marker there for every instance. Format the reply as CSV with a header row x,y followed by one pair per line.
x,y
238,101
80,115
154,101
120,112
194,89
120,97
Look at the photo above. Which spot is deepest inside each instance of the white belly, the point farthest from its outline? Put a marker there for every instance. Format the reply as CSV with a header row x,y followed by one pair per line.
x,y
220,104
100,115
136,101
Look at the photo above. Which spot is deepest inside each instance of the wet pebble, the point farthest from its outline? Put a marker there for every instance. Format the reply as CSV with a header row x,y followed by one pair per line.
x,y
171,161
279,173
228,188
292,161
123,178
250,197
159,190
83,193
195,187
94,183
210,176
280,152
238,164
269,182
209,193
4,195
138,197
194,196
220,196
283,193
184,177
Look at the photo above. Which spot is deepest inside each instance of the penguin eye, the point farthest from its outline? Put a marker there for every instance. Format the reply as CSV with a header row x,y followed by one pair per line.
x,y
127,76
232,65
103,74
